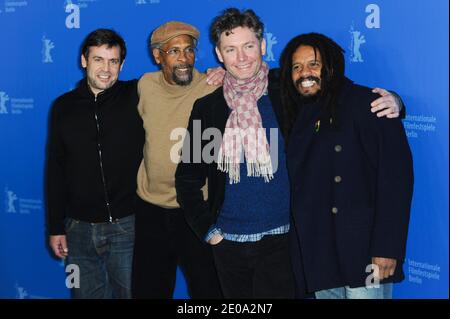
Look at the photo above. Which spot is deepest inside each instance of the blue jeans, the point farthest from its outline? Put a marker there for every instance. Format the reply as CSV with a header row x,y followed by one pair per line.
x,y
104,254
383,292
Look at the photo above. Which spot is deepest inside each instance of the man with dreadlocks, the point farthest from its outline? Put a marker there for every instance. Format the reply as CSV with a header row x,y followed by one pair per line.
x,y
351,177
246,215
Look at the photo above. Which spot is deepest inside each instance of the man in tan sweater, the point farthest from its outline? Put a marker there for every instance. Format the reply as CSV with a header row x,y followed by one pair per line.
x,y
163,240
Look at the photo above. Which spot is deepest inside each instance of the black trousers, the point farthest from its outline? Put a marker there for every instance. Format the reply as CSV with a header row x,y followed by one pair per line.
x,y
259,269
163,241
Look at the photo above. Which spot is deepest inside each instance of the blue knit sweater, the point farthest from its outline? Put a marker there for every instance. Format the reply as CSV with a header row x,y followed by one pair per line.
x,y
253,206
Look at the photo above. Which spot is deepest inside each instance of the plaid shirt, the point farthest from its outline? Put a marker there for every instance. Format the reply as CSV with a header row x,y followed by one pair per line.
x,y
242,238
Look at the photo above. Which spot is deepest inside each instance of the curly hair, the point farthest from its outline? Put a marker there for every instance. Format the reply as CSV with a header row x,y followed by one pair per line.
x,y
232,18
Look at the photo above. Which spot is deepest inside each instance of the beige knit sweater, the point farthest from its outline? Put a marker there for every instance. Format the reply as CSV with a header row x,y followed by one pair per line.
x,y
163,108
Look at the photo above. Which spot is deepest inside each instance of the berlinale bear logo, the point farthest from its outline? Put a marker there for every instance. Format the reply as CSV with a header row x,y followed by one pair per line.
x,y
3,99
271,40
47,45
357,38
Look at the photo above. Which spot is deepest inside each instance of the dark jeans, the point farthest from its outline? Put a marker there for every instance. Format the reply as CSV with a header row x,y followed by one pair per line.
x,y
164,241
104,254
259,269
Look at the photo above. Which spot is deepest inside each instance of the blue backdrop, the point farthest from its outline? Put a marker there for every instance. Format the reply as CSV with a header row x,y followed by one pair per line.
x,y
397,44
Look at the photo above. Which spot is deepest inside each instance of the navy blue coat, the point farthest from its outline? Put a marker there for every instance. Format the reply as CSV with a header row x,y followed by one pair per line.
x,y
351,191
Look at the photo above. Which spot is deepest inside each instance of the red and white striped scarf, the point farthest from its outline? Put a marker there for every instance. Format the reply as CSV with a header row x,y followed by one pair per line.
x,y
244,128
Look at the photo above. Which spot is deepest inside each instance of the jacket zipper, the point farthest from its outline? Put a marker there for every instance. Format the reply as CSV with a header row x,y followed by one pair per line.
x,y
99,149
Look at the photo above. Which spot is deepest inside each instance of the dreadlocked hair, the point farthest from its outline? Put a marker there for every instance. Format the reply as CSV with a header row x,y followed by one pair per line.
x,y
332,76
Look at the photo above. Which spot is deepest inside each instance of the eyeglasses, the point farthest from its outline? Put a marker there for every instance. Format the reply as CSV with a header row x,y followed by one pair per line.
x,y
175,52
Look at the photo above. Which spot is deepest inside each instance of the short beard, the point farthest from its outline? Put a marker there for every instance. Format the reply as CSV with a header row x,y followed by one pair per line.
x,y
186,81
92,82
308,99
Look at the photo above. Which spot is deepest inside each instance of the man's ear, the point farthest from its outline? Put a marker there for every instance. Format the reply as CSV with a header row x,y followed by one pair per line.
x,y
263,46
83,62
219,55
121,65
157,55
